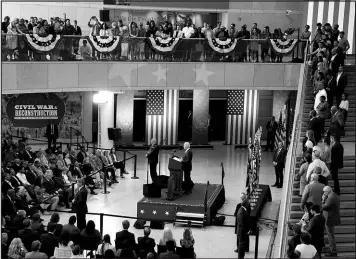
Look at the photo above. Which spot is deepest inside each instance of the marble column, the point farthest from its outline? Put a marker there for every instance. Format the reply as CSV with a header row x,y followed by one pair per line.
x,y
124,116
200,117
106,120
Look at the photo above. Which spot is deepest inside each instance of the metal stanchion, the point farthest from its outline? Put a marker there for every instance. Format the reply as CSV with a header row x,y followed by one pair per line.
x,y
105,191
256,242
135,162
101,223
73,189
124,159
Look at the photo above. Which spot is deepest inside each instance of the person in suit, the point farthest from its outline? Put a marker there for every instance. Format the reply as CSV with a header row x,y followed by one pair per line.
x,y
170,254
244,198
152,157
336,60
315,125
337,161
278,162
242,229
337,122
330,88
316,228
313,192
80,204
35,247
341,81
37,224
187,167
17,222
271,133
27,235
27,155
146,244
52,134
49,241
81,155
331,211
77,31
124,238
8,207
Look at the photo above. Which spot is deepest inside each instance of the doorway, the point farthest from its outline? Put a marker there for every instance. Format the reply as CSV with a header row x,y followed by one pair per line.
x,y
139,121
217,110
184,131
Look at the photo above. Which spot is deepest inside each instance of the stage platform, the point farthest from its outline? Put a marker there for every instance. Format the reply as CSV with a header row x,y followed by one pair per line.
x,y
158,209
164,147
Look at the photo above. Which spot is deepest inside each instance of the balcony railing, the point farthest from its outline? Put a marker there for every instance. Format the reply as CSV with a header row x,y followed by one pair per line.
x,y
30,47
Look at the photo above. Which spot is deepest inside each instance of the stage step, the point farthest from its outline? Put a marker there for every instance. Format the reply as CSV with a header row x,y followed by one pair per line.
x,y
195,219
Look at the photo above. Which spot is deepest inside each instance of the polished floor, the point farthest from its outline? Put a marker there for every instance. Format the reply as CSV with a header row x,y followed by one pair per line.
x,y
211,242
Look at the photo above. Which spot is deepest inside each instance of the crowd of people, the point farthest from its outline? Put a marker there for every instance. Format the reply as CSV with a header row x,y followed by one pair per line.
x,y
319,201
133,45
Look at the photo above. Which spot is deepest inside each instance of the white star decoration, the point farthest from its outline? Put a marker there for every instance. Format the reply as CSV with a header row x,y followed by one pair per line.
x,y
160,73
142,211
167,213
202,74
154,212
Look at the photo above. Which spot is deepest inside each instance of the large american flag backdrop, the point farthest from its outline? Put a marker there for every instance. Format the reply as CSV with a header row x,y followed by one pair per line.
x,y
281,130
241,118
162,116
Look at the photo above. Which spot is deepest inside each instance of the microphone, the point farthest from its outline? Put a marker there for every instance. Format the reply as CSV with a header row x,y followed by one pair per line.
x,y
173,152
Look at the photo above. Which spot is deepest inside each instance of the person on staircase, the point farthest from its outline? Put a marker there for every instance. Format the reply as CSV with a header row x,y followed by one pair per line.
x,y
316,163
337,160
279,159
337,122
344,106
322,110
341,83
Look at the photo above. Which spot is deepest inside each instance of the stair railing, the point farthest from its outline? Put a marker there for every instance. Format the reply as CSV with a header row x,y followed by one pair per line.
x,y
291,165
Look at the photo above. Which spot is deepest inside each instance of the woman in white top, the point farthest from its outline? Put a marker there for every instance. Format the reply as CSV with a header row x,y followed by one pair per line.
x,y
105,246
167,236
305,249
105,31
64,250
344,106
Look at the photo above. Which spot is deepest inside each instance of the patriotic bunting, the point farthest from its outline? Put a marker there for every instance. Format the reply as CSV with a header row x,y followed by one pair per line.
x,y
283,47
42,45
222,46
164,46
104,44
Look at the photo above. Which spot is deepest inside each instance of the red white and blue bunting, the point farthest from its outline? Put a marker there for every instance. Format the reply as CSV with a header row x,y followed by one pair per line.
x,y
42,45
104,44
164,46
222,46
283,47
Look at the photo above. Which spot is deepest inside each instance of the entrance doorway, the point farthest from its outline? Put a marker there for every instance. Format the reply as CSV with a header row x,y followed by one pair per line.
x,y
139,121
184,132
217,110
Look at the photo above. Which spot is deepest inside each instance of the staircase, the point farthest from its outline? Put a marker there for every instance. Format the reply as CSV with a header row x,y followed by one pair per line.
x,y
345,233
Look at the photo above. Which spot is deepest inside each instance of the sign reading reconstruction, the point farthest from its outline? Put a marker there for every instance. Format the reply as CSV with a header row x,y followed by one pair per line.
x,y
35,110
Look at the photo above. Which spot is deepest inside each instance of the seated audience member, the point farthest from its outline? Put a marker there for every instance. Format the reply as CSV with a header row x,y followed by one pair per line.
x,y
106,245
8,207
301,175
77,252
70,227
37,224
188,240
17,222
50,187
305,249
313,192
170,251
146,244
167,236
90,231
65,246
124,238
35,248
316,229
294,241
109,254
344,106
16,249
126,253
4,245
27,235
150,256
45,200
49,241
54,221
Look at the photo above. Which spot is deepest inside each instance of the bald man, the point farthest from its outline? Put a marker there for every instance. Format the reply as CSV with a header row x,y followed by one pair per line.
x,y
244,199
187,168
152,157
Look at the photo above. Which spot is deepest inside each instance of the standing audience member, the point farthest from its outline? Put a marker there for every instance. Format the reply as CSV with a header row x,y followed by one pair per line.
x,y
244,199
337,122
265,47
330,88
279,162
80,204
305,249
305,36
313,192
301,175
344,44
344,106
316,228
341,83
294,241
317,163
242,229
315,126
78,32
331,211
322,110
337,161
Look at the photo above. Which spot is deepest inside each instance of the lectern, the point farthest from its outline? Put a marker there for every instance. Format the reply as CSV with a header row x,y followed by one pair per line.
x,y
176,176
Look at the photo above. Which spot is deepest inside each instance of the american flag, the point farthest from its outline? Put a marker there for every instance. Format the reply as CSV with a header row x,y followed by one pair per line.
x,y
290,125
242,107
162,116
281,131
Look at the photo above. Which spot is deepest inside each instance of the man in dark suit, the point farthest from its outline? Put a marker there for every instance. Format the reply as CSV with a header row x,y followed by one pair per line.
x,y
244,199
337,122
146,244
337,161
271,133
331,212
316,228
81,155
27,235
77,31
27,155
279,158
125,239
242,229
187,168
331,88
8,207
49,241
170,254
152,157
314,125
52,134
80,204
336,60
341,81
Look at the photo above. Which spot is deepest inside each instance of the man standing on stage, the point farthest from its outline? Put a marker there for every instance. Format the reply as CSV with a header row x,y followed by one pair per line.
x,y
152,156
52,134
244,198
80,204
278,162
187,168
271,133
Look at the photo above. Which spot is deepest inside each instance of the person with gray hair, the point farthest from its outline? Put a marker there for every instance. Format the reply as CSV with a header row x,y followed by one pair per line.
x,y
317,162
146,244
187,168
125,239
35,247
79,204
331,211
313,192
